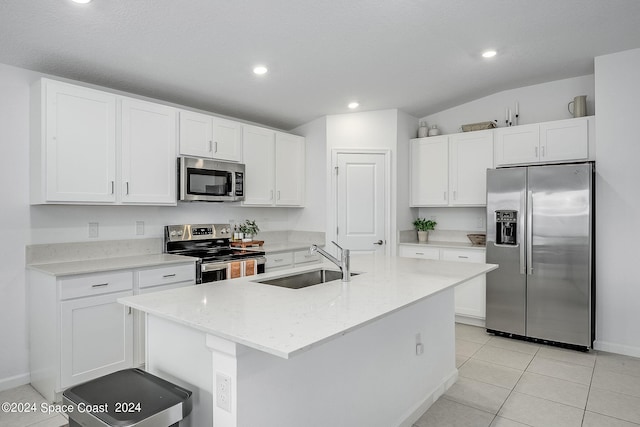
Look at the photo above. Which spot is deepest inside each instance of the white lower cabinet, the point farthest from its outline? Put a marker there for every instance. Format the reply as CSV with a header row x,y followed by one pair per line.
x,y
470,296
78,331
281,260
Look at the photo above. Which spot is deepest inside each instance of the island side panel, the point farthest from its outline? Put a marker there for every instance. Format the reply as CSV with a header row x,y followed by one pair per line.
x,y
179,354
371,376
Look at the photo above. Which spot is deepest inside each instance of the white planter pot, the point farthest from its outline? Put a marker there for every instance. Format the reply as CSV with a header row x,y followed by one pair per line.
x,y
423,236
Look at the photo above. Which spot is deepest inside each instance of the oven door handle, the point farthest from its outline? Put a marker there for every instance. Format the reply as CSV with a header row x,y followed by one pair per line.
x,y
214,267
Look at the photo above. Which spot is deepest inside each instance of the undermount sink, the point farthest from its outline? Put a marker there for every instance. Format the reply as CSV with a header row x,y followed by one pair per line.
x,y
302,280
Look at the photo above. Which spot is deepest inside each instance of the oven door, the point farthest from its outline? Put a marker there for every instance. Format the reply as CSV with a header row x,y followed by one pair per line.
x,y
215,271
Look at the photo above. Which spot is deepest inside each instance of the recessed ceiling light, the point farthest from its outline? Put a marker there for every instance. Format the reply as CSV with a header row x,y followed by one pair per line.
x,y
353,105
489,53
81,1
260,69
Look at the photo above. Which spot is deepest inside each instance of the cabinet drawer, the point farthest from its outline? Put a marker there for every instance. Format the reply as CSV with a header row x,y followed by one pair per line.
x,y
462,255
418,252
165,275
284,259
95,284
301,257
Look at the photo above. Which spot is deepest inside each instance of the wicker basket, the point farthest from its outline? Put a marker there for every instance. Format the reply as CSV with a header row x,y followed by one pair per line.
x,y
479,126
478,239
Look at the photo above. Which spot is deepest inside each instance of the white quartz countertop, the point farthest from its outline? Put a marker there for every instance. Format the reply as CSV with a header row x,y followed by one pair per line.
x,y
109,264
285,322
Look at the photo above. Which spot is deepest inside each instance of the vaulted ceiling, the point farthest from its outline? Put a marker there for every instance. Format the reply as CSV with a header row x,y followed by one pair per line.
x,y
421,56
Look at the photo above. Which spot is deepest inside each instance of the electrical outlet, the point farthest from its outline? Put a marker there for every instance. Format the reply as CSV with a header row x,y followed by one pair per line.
x,y
93,229
223,392
419,345
140,228
480,222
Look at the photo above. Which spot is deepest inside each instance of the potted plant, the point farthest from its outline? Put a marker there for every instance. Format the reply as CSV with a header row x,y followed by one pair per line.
x,y
423,225
249,229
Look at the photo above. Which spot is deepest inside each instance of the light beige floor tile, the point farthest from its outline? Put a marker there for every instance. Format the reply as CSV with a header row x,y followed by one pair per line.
x,y
479,395
563,370
571,356
490,373
504,357
554,389
461,360
23,394
615,405
614,381
57,421
472,333
466,348
618,363
591,419
505,422
449,413
536,412
514,345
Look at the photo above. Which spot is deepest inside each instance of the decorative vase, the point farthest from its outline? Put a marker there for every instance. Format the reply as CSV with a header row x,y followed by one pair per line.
x,y
423,236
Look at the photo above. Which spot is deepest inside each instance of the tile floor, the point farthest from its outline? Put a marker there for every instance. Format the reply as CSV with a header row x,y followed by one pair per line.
x,y
502,383
510,383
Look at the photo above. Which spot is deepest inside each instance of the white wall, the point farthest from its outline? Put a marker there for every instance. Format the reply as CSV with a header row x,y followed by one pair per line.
x,y
538,103
312,218
22,224
617,88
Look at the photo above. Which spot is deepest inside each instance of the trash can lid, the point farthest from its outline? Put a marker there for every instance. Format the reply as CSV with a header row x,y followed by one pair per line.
x,y
129,396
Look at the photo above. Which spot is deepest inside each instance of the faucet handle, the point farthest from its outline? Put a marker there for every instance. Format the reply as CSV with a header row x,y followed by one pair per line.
x,y
339,247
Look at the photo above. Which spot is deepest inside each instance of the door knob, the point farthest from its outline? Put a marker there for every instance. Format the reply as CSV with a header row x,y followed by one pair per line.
x,y
379,242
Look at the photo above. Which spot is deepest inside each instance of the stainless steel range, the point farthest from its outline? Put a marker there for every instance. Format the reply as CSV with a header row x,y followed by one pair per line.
x,y
212,245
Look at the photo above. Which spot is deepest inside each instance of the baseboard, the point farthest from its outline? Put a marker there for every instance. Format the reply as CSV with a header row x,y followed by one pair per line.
x,y
610,347
15,381
421,408
470,320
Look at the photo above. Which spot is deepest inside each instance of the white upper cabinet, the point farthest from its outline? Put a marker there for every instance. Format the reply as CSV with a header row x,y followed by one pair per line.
x,y
451,170
207,136
74,141
275,167
93,147
148,153
430,171
470,155
290,169
562,140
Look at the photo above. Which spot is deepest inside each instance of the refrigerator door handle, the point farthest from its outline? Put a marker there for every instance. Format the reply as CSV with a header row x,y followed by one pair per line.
x,y
529,232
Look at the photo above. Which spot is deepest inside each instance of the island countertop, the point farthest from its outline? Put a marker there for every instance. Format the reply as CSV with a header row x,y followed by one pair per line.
x,y
284,322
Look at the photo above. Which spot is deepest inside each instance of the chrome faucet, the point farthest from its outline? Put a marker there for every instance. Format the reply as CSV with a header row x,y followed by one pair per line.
x,y
344,261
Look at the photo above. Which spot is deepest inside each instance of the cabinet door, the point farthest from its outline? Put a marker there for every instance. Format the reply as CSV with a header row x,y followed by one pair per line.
x,y
471,155
564,140
412,251
290,170
517,145
227,140
80,144
430,171
469,296
196,134
148,153
96,337
258,157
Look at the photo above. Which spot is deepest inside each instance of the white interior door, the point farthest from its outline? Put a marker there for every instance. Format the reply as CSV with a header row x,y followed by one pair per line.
x,y
361,201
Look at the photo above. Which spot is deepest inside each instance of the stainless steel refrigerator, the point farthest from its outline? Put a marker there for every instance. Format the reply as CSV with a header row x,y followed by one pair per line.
x,y
540,230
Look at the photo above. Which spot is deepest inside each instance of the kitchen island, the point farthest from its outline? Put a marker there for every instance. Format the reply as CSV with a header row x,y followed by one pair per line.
x,y
376,351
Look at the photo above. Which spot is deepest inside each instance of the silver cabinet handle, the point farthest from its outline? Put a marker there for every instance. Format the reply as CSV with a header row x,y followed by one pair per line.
x,y
215,147
210,145
130,311
542,148
169,275
113,187
455,196
278,260
127,187
419,253
99,285
271,196
463,257
379,242
278,196
536,150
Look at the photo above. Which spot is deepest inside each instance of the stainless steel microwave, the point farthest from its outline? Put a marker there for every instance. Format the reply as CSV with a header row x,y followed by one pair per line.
x,y
206,180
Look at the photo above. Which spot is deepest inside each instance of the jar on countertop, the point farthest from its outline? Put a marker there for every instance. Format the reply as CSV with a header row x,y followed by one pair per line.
x,y
434,131
423,130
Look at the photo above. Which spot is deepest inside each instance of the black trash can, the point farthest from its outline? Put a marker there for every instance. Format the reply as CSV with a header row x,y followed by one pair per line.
x,y
126,398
